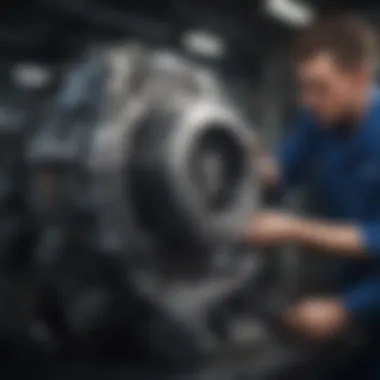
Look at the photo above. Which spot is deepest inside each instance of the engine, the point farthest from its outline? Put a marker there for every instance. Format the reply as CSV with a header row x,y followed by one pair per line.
x,y
138,182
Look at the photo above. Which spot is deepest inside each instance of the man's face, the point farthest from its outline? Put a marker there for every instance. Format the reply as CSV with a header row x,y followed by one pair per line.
x,y
326,89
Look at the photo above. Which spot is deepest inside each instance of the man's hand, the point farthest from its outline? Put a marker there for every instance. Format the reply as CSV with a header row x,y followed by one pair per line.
x,y
266,167
273,228
267,171
318,319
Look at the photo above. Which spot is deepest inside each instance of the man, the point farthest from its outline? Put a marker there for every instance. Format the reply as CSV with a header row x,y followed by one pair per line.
x,y
336,146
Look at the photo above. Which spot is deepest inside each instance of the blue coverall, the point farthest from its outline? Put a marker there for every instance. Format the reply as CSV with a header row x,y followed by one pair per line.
x,y
344,169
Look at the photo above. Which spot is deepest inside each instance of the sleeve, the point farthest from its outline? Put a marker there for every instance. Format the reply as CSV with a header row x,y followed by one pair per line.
x,y
371,238
296,153
363,301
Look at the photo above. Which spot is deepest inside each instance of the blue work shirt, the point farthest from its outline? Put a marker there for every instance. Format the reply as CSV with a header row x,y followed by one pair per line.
x,y
344,170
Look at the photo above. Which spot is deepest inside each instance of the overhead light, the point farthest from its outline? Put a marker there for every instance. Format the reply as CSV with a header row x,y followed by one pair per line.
x,y
31,76
292,12
203,43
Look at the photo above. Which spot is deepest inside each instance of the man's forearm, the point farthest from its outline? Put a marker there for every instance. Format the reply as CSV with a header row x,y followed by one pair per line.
x,y
343,240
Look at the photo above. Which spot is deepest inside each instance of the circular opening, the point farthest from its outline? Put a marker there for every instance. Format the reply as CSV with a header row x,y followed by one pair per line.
x,y
217,166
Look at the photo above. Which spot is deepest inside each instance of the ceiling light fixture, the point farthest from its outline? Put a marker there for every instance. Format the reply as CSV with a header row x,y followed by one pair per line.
x,y
292,12
203,43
